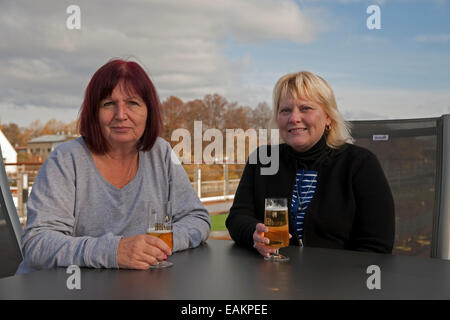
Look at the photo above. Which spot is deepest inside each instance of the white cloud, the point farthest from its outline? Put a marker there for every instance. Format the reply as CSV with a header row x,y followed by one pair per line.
x,y
19,114
29,69
252,21
44,67
433,38
368,104
345,2
181,44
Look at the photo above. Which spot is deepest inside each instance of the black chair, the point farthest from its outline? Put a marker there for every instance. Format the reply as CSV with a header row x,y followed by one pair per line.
x,y
10,228
415,156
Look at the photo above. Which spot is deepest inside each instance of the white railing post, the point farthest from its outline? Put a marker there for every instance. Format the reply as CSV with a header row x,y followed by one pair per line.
x,y
199,182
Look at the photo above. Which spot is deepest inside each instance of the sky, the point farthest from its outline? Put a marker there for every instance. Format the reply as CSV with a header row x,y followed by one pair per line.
x,y
236,48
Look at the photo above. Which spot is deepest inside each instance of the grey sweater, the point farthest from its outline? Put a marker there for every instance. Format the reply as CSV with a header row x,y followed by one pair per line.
x,y
75,216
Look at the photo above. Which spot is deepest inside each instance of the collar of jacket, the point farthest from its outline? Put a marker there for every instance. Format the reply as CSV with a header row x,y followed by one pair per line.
x,y
319,155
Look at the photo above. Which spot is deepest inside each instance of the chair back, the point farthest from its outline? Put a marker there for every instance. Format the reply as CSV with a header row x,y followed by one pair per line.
x,y
10,229
415,156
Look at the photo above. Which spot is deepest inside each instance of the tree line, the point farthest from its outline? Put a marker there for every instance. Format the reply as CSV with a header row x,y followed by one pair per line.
x,y
214,110
19,136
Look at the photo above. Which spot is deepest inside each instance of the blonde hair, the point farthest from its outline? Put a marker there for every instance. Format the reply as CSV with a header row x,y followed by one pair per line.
x,y
308,86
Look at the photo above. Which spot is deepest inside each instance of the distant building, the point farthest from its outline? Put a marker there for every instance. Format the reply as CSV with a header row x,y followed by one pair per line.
x,y
9,153
42,146
21,150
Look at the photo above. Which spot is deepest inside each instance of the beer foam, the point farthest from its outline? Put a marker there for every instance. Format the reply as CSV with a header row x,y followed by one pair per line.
x,y
158,231
276,208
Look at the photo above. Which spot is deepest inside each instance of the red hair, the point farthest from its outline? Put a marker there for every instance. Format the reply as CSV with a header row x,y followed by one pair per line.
x,y
102,83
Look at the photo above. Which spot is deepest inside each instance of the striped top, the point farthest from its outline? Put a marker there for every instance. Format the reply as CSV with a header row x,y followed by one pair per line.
x,y
306,182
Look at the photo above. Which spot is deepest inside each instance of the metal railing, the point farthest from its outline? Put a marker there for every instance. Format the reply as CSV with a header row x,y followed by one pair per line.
x,y
23,175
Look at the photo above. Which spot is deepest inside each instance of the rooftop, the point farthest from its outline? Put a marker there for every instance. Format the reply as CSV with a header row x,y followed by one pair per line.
x,y
50,138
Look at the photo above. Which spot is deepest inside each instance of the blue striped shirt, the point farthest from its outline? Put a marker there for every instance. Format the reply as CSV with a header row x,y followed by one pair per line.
x,y
305,186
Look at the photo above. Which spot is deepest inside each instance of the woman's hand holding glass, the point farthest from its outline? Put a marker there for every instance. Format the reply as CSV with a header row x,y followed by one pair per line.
x,y
141,251
261,242
160,227
149,250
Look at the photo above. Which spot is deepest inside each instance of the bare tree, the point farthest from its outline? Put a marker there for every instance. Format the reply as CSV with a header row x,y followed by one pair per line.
x,y
216,105
261,116
12,133
172,114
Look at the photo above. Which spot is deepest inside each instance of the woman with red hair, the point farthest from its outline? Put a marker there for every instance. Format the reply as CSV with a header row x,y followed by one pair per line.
x,y
87,203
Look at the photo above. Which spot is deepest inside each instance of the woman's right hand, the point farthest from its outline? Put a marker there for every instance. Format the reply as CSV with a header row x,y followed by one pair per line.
x,y
141,251
260,242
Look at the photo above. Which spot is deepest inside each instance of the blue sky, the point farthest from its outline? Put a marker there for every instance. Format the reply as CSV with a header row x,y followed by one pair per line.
x,y
237,48
410,52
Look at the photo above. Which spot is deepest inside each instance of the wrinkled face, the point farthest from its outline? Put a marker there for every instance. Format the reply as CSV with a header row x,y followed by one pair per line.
x,y
122,116
301,122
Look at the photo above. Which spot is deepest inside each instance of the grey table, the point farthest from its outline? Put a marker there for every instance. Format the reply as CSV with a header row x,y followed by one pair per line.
x,y
219,270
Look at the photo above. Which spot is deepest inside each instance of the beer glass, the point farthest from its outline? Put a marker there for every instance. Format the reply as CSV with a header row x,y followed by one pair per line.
x,y
276,221
160,226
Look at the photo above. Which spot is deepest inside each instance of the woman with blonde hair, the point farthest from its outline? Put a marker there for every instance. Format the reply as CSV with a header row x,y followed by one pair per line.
x,y
338,196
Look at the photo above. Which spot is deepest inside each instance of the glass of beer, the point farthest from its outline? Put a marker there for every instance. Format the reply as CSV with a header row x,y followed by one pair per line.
x,y
276,220
160,226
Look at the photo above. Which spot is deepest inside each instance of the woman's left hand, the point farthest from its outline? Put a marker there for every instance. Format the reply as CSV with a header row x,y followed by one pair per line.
x,y
141,251
260,242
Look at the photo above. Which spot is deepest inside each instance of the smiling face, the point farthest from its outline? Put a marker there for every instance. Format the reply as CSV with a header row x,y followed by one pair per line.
x,y
301,122
123,116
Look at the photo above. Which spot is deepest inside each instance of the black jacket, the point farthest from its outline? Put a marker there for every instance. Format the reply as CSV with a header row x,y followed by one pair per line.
x,y
352,207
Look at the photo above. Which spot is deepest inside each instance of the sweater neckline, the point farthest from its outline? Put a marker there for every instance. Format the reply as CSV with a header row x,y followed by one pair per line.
x,y
129,186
